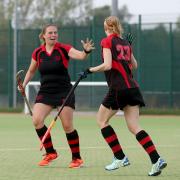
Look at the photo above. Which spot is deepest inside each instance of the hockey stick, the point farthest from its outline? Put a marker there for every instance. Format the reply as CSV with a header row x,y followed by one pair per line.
x,y
22,90
66,99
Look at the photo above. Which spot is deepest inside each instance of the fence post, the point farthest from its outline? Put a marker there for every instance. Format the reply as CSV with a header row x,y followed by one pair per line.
x,y
10,69
139,51
74,44
92,57
171,64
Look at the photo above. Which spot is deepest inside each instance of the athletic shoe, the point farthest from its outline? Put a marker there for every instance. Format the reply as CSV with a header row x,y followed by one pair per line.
x,y
76,163
116,163
157,167
48,158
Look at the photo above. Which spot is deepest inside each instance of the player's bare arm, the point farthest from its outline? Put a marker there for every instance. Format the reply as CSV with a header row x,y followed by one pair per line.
x,y
88,46
134,62
106,65
30,73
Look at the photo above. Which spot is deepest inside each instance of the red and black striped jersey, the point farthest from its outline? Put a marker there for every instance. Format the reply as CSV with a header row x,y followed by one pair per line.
x,y
120,75
53,68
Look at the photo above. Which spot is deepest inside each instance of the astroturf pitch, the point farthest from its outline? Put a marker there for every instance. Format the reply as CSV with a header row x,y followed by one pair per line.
x,y
19,149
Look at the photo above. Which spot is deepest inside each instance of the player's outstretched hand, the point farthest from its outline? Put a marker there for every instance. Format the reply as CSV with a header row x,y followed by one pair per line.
x,y
88,45
84,73
129,37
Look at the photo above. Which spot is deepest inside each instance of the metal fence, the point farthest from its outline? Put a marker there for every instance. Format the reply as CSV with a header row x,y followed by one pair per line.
x,y
156,48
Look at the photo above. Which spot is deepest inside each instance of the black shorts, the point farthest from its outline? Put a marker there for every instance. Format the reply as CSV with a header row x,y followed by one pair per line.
x,y
121,98
55,100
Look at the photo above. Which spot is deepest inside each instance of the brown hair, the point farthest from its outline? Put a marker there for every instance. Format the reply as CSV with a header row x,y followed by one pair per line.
x,y
43,31
113,24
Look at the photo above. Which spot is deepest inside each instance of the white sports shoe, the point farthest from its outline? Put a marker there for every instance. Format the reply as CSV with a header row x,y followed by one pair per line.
x,y
116,163
157,167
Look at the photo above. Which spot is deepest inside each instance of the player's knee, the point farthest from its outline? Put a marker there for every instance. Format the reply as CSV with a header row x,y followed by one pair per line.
x,y
38,121
101,123
67,128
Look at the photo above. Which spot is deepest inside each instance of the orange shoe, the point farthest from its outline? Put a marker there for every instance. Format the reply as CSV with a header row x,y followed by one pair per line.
x,y
48,158
76,163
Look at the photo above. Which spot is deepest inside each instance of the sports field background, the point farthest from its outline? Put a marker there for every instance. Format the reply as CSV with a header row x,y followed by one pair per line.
x,y
19,149
158,61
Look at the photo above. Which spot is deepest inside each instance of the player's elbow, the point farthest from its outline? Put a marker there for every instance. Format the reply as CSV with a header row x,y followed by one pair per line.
x,y
107,67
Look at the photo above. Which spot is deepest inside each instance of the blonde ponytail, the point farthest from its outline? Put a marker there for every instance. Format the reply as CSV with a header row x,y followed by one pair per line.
x,y
113,25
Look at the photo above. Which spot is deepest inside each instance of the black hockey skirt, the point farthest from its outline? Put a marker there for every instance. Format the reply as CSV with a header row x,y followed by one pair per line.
x,y
55,100
118,99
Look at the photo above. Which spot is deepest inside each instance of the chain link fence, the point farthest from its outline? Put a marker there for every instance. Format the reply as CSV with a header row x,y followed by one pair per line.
x,y
156,47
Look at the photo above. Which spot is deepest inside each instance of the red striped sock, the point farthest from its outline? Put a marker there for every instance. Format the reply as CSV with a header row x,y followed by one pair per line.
x,y
48,142
73,141
145,140
112,140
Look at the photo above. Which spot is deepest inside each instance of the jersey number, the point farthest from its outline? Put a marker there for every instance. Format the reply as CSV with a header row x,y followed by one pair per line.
x,y
123,52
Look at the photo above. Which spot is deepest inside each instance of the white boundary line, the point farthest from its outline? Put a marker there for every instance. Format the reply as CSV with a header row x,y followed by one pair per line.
x,y
89,147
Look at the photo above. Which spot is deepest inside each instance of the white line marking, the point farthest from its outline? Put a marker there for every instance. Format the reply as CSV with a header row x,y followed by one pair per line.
x,y
89,147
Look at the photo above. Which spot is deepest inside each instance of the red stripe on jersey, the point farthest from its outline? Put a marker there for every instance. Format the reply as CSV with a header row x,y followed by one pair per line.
x,y
35,52
116,148
150,149
61,48
119,67
145,140
111,138
75,141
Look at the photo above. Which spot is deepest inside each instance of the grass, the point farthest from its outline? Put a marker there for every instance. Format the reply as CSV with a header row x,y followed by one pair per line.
x,y
143,111
19,149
